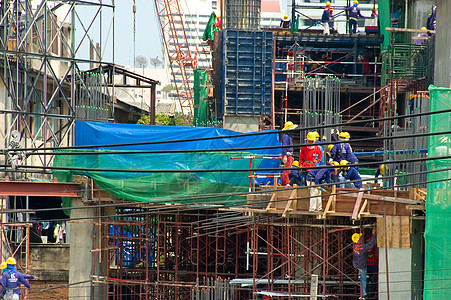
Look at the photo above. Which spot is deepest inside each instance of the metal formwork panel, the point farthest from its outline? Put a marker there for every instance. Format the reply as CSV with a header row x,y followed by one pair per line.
x,y
246,72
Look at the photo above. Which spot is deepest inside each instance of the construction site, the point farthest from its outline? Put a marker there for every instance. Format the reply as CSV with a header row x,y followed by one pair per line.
x,y
100,207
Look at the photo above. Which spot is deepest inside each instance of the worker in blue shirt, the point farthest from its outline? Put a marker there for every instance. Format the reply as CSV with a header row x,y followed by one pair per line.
x,y
343,151
287,152
360,257
11,280
351,174
325,19
353,14
295,175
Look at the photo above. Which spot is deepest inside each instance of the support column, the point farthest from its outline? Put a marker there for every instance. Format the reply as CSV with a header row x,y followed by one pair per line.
x,y
80,252
442,75
399,273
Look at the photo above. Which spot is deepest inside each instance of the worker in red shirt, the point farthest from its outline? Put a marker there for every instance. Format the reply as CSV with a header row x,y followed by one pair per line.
x,y
310,155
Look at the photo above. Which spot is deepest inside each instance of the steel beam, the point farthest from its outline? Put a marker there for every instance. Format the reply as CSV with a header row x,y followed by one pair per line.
x,y
38,189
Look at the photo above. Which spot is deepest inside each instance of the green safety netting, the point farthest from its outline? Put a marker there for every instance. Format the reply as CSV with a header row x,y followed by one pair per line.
x,y
170,164
437,274
202,112
169,186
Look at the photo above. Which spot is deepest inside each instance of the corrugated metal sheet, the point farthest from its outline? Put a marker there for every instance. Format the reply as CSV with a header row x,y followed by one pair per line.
x,y
246,72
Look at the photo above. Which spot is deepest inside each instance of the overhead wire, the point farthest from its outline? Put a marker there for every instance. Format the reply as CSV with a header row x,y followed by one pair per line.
x,y
236,135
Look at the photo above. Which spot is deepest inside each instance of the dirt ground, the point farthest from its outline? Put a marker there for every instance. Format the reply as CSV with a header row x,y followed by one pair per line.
x,y
40,290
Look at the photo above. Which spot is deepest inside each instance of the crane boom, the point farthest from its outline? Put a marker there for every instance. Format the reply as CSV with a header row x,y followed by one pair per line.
x,y
177,49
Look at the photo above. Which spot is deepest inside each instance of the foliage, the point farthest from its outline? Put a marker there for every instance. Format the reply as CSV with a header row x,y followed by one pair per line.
x,y
168,88
177,119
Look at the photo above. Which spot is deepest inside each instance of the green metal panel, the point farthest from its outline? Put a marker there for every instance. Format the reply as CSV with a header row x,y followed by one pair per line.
x,y
384,21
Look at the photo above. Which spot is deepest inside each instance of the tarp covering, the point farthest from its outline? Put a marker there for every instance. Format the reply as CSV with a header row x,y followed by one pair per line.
x,y
171,187
437,273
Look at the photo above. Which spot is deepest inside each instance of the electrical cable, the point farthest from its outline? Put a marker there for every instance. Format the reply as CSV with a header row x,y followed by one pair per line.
x,y
238,135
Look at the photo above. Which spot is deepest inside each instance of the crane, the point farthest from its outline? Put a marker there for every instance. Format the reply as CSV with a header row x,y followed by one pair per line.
x,y
177,50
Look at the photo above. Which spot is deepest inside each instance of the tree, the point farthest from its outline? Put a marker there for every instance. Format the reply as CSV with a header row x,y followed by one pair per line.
x,y
177,119
168,88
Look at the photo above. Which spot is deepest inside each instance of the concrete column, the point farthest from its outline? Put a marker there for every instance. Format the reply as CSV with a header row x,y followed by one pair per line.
x,y
399,273
442,72
80,252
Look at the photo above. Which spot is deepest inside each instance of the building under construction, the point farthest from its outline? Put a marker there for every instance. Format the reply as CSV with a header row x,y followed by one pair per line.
x,y
162,212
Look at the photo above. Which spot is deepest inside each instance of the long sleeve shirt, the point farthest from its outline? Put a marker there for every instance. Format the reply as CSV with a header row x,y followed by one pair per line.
x,y
310,155
354,12
326,15
360,253
343,152
286,141
352,174
12,280
319,176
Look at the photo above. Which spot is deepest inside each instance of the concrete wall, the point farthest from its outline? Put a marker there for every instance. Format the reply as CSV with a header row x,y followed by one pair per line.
x,y
442,74
399,271
50,262
418,12
241,123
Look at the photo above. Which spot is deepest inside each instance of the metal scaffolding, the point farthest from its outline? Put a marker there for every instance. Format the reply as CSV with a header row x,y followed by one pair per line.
x,y
195,254
44,47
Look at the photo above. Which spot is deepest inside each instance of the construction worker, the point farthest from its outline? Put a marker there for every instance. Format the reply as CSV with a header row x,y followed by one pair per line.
x,y
421,37
285,22
343,150
317,177
351,173
11,280
296,176
331,18
310,155
317,137
287,152
360,257
353,14
325,19
386,170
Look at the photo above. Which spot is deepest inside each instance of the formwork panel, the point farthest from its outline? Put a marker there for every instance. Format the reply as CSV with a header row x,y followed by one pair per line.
x,y
246,72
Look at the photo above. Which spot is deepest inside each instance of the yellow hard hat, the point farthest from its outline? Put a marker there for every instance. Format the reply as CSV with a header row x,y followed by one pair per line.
x,y
11,261
289,125
356,237
344,162
328,3
334,163
286,17
329,148
3,265
344,134
331,8
355,1
311,136
295,163
424,28
316,134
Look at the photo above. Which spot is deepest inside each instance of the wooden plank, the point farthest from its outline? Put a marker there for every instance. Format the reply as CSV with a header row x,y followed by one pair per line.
x,y
389,232
405,229
391,199
289,202
357,205
396,233
273,197
362,209
331,202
